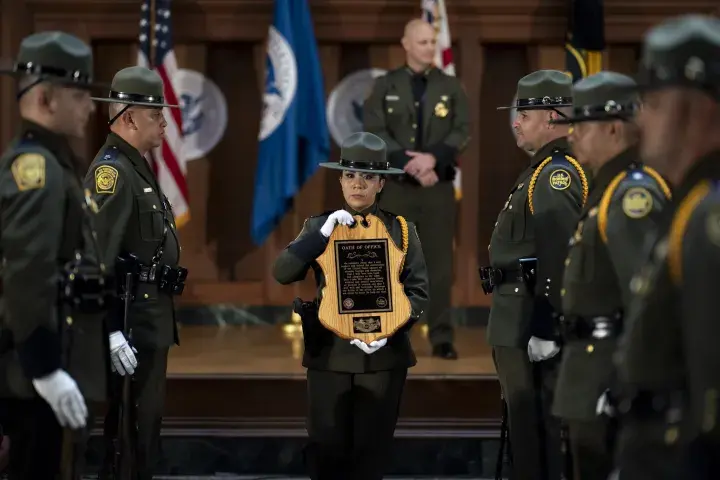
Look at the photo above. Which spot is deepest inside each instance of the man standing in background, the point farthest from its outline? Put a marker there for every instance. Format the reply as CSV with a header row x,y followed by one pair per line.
x,y
422,114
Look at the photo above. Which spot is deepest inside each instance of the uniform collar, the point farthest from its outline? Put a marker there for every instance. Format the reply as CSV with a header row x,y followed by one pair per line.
x,y
371,210
131,152
615,166
547,150
424,73
707,168
55,142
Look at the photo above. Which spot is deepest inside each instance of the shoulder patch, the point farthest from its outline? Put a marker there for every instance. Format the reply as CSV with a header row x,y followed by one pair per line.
x,y
637,202
106,179
712,225
560,179
28,170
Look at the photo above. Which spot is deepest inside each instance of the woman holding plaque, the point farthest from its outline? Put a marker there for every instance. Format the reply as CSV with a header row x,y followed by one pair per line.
x,y
354,388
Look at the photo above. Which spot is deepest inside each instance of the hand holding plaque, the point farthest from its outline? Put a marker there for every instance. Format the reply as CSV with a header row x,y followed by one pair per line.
x,y
363,297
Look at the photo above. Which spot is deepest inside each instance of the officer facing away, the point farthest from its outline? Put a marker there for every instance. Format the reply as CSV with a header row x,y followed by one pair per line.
x,y
54,366
622,211
527,250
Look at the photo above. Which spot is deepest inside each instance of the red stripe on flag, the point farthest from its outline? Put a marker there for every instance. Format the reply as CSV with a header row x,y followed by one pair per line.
x,y
447,57
172,165
170,97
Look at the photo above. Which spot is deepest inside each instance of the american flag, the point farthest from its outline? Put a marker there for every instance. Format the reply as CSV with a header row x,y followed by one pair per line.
x,y
156,52
433,12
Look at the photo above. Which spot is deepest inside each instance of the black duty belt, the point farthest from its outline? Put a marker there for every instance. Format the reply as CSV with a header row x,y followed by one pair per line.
x,y
575,327
170,280
84,286
524,271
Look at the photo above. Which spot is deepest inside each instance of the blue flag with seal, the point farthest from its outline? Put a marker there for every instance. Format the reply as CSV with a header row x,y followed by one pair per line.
x,y
294,135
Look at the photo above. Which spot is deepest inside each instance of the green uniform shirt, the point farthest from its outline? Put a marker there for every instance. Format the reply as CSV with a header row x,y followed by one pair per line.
x,y
537,220
607,249
135,217
46,218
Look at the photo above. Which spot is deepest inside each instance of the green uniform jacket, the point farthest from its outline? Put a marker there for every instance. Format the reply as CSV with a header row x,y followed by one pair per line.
x,y
323,349
537,221
670,343
390,113
135,217
46,218
608,248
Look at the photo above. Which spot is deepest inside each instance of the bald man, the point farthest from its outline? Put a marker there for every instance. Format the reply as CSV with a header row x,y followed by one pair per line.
x,y
422,114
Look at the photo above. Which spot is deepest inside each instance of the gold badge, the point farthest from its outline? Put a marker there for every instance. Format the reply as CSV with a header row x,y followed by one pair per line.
x,y
712,225
441,110
29,171
637,202
560,179
105,179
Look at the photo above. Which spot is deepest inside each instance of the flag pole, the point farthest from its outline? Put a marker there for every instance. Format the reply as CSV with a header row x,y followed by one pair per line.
x,y
152,39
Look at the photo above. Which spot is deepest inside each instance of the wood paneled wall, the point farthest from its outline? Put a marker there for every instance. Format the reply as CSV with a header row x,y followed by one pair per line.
x,y
495,43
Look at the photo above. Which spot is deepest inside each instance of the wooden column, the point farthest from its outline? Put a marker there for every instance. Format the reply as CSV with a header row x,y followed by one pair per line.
x,y
15,23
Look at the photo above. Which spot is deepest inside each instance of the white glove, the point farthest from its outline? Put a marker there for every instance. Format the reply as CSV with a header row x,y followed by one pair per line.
x,y
339,216
603,405
122,354
539,349
374,346
62,393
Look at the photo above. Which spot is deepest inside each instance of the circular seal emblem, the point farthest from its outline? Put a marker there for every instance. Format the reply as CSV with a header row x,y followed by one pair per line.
x,y
637,202
281,79
560,179
204,112
381,302
348,303
345,104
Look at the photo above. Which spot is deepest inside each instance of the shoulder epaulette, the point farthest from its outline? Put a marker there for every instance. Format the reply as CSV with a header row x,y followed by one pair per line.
x,y
679,225
110,154
635,173
560,159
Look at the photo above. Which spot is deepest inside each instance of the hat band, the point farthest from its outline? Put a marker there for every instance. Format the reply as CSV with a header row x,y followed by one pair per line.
x,y
610,108
136,98
31,68
545,101
364,165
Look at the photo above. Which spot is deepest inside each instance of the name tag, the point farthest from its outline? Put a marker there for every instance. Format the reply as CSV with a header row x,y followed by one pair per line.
x,y
147,190
392,97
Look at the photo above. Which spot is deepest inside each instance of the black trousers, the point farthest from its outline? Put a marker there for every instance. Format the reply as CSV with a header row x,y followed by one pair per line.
x,y
148,394
643,454
351,423
535,434
592,445
36,440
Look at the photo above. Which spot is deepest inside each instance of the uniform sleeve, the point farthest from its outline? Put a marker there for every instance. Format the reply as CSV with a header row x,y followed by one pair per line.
x,y
108,184
374,121
556,208
33,211
631,222
699,319
446,152
414,277
294,261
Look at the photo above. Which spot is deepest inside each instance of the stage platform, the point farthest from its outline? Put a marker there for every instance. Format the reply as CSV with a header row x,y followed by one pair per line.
x,y
250,381
236,405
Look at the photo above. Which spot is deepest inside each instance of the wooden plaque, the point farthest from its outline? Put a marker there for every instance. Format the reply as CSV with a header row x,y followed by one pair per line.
x,y
363,297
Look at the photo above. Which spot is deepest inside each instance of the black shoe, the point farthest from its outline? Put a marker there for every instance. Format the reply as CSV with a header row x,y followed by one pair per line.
x,y
445,350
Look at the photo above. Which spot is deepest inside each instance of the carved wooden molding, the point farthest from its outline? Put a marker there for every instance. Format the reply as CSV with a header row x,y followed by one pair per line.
x,y
357,20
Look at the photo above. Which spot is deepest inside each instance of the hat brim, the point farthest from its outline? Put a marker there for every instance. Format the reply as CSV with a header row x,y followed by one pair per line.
x,y
337,166
535,107
139,104
57,80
